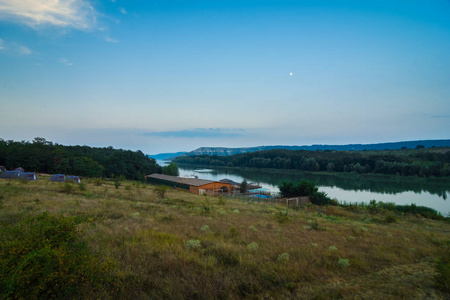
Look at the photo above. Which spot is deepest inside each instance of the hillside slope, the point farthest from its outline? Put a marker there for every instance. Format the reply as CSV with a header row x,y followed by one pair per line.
x,y
185,246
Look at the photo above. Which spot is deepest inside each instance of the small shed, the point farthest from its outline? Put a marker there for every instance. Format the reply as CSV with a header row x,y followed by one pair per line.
x,y
2,169
58,178
28,175
76,179
193,185
10,175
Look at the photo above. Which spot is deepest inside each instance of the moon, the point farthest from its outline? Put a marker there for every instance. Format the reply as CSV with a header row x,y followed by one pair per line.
x,y
290,74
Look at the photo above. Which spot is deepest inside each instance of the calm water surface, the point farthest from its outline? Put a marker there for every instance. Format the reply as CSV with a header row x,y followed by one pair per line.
x,y
348,188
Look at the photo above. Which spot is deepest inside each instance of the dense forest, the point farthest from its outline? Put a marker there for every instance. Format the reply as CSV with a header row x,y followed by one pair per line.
x,y
420,162
43,156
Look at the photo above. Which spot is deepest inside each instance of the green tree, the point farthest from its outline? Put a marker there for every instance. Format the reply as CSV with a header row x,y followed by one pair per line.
x,y
171,169
244,186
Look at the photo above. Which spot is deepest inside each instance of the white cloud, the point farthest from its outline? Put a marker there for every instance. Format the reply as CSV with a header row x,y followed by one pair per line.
x,y
1,45
122,10
65,61
111,40
24,50
62,13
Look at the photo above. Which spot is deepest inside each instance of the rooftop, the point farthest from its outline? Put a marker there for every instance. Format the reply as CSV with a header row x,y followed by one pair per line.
x,y
188,181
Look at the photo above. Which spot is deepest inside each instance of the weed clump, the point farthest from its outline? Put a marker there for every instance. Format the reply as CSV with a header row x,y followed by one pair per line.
x,y
332,248
68,187
343,263
82,186
193,244
253,228
282,217
46,257
283,257
160,191
253,246
390,219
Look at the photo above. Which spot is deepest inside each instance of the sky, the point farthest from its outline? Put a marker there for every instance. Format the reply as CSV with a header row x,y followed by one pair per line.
x,y
168,76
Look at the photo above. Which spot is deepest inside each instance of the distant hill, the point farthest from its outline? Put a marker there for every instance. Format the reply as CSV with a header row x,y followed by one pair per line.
x,y
163,156
222,151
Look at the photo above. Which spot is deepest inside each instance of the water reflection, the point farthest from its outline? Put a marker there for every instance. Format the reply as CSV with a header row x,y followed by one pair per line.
x,y
345,187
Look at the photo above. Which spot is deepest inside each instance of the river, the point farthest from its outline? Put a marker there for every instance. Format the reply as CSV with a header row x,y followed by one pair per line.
x,y
345,187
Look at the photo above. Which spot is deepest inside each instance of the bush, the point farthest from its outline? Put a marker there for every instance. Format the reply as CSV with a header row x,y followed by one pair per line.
x,y
68,187
46,257
253,246
282,217
243,186
390,219
193,244
344,263
302,188
160,191
82,186
320,198
283,257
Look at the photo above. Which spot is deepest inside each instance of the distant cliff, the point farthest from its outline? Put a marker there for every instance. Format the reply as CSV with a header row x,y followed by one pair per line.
x,y
222,151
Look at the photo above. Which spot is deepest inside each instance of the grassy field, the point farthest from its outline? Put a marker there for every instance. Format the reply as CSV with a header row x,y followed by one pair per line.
x,y
135,244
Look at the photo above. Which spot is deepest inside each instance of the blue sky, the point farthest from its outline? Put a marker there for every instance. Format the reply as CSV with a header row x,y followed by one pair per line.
x,y
166,76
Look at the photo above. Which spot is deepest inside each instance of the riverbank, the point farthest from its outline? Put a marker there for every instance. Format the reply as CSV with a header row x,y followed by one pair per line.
x,y
186,246
345,187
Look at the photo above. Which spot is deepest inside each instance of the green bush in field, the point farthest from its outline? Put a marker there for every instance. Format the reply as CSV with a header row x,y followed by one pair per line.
x,y
193,244
68,187
45,257
160,191
344,263
82,186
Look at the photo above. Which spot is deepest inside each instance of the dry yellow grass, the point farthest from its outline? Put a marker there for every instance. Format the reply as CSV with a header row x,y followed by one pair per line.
x,y
147,237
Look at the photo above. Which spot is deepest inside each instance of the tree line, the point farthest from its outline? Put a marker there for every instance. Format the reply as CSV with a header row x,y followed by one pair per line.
x,y
405,162
44,156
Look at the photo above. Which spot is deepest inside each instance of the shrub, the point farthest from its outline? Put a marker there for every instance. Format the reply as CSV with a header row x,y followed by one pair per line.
x,y
282,217
373,206
315,225
243,186
82,186
204,228
160,191
344,263
334,202
193,244
320,198
118,180
390,219
332,248
253,246
283,257
46,257
68,187
252,228
302,188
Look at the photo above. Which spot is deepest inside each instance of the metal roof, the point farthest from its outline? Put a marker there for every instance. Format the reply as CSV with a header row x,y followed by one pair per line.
x,y
226,180
188,181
